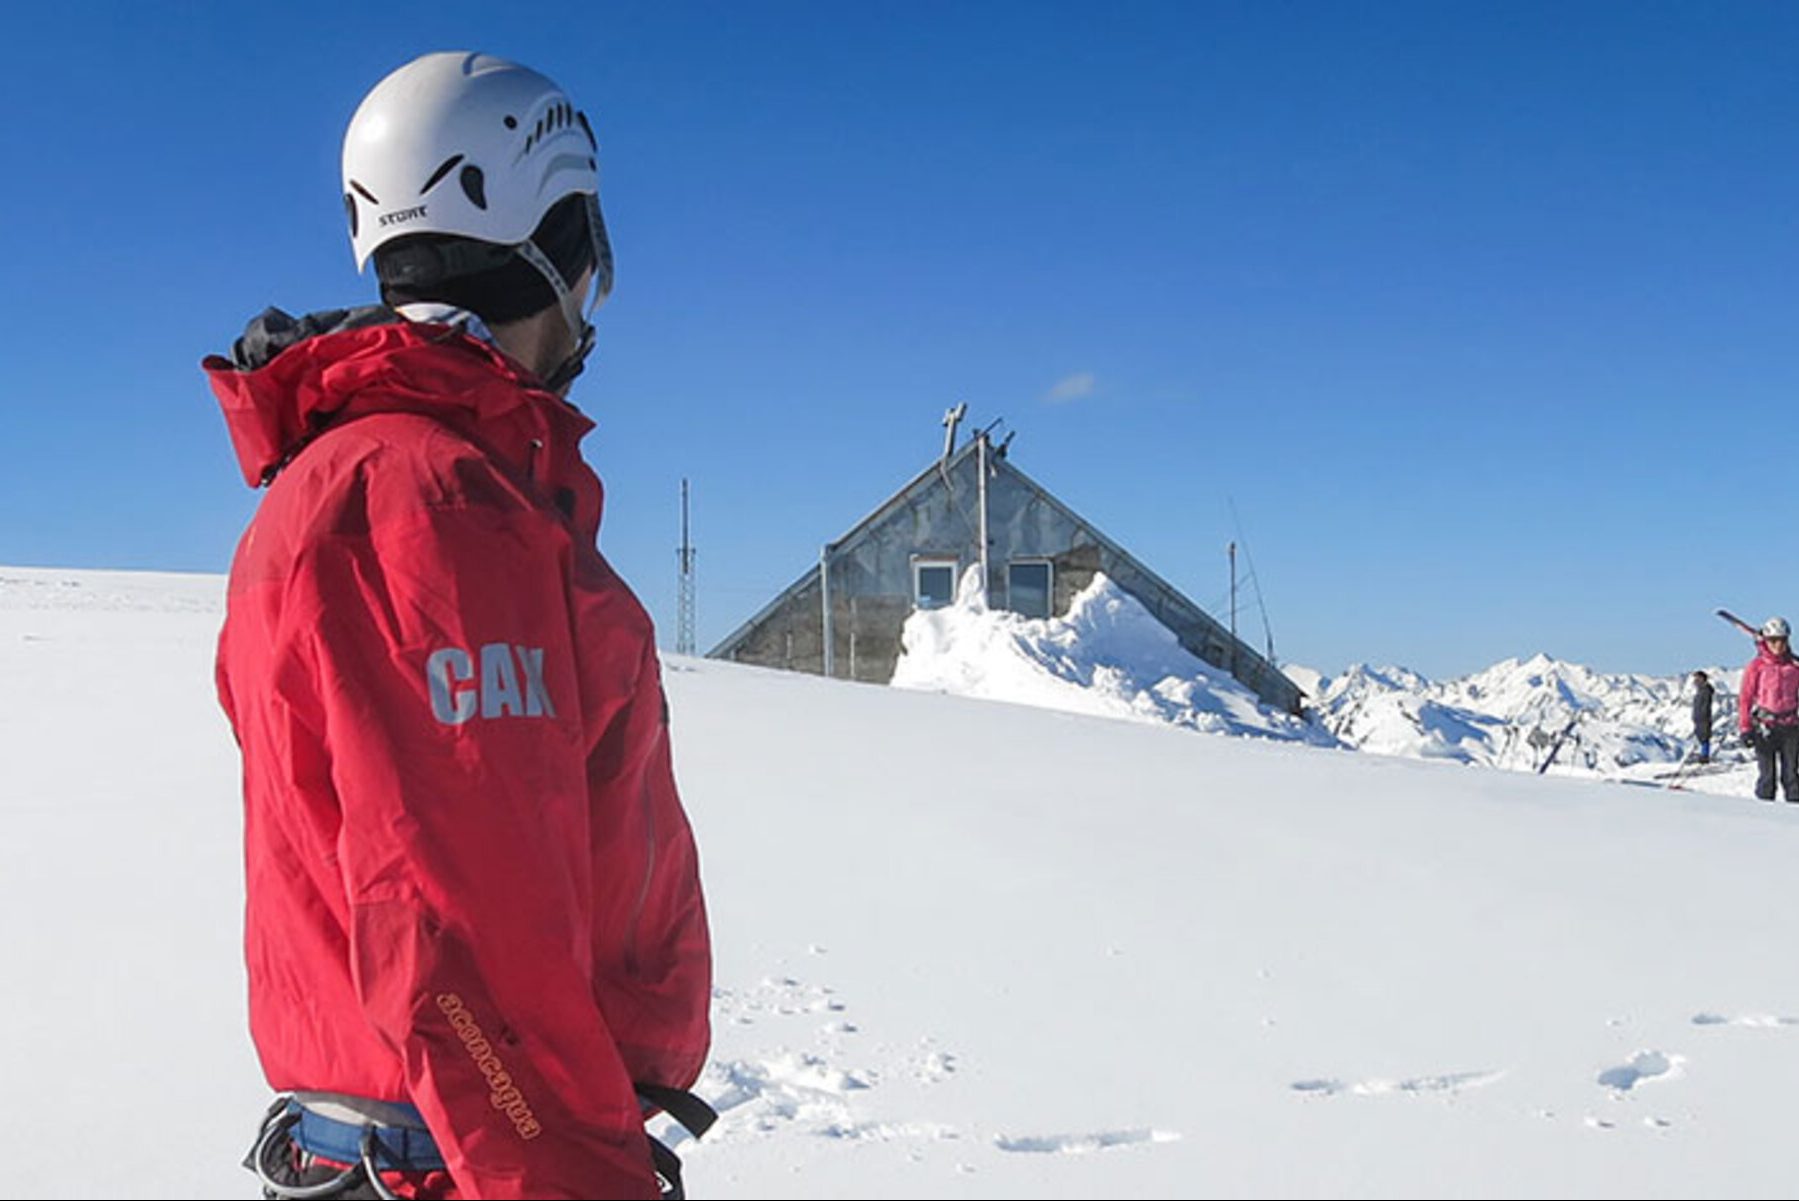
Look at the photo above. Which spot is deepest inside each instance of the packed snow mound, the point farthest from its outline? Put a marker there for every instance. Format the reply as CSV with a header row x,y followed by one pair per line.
x,y
1524,714
1107,657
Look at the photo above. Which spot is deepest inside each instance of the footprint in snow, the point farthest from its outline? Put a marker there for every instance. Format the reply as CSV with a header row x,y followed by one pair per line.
x,y
1082,1144
1449,1082
1758,1020
1641,1067
773,997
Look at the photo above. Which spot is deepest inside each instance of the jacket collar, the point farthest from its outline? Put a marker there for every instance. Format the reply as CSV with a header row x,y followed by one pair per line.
x,y
289,379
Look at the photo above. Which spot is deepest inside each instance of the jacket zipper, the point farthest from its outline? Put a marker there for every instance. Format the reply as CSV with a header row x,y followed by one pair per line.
x,y
649,873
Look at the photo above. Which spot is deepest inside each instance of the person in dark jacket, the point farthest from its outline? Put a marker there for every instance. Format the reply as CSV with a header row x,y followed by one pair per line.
x,y
1703,692
476,943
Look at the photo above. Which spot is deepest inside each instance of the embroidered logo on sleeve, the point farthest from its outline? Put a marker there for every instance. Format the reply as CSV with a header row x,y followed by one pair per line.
x,y
503,1092
497,680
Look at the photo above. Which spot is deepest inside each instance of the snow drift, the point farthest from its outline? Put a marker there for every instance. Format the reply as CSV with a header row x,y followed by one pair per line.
x,y
1108,657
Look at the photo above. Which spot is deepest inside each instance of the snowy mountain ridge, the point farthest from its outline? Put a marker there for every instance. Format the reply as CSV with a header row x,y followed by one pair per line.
x,y
1511,714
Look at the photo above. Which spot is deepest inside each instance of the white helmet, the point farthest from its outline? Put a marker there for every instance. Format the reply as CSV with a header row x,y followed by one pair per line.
x,y
471,146
1776,627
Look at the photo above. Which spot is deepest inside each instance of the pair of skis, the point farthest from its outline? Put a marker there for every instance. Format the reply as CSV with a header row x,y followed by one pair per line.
x,y
1556,746
1740,624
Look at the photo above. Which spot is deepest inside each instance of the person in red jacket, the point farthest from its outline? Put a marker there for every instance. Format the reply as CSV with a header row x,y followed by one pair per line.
x,y
1768,710
476,942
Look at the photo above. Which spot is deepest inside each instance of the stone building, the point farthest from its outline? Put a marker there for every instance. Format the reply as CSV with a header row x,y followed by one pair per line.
x,y
843,616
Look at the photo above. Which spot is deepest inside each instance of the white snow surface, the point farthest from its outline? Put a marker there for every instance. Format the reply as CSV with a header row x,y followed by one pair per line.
x,y
970,950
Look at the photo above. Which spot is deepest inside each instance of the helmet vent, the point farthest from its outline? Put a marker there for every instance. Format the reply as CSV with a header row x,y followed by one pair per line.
x,y
474,186
437,175
364,193
557,116
588,130
350,209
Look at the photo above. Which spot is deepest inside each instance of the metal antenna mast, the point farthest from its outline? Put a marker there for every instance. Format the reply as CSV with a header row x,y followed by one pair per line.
x,y
1261,605
684,556
951,419
1232,551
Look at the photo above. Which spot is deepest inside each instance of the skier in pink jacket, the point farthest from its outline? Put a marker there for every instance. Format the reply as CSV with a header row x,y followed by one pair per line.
x,y
1768,710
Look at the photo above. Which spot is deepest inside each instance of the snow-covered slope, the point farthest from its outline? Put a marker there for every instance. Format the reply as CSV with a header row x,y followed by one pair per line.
x,y
970,950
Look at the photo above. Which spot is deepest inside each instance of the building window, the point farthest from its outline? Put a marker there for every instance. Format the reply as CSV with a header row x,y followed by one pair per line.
x,y
1028,587
933,582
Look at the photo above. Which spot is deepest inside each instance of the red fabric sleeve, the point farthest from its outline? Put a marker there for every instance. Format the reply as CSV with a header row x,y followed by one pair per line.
x,y
445,662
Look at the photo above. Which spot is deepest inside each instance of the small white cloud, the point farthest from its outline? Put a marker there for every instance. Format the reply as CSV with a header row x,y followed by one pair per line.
x,y
1074,387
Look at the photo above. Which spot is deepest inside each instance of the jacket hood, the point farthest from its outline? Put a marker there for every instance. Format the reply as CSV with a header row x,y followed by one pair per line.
x,y
289,379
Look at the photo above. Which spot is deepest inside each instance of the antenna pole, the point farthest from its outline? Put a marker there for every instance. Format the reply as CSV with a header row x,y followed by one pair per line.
x,y
981,469
824,600
1232,552
951,419
1261,604
684,556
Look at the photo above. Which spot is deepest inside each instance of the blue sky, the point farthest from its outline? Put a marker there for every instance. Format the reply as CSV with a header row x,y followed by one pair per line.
x,y
1476,322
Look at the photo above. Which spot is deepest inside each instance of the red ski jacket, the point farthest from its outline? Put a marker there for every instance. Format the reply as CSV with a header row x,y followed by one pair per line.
x,y
1771,684
471,885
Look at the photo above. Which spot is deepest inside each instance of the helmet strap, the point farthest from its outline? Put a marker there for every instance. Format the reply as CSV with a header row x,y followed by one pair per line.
x,y
576,362
602,251
570,304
